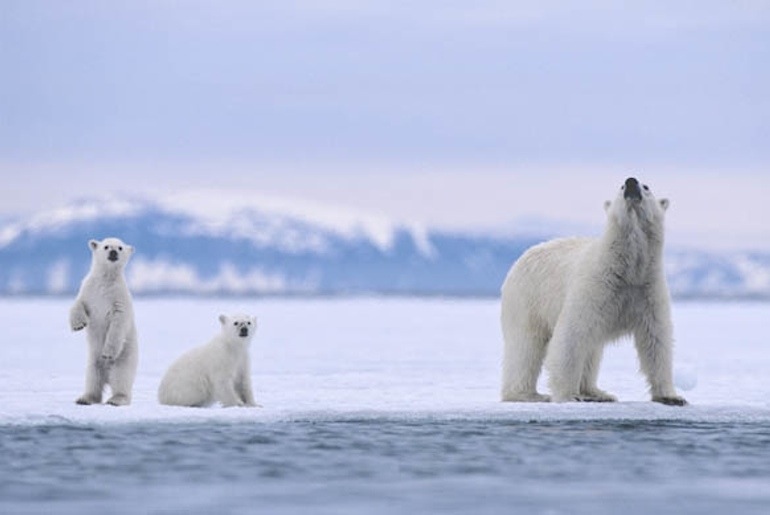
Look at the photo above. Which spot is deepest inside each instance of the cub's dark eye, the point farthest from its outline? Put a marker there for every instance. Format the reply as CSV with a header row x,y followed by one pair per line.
x,y
106,247
121,248
248,323
646,188
235,323
623,187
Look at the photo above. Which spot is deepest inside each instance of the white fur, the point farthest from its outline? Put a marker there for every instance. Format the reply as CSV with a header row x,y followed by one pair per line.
x,y
103,306
565,299
218,371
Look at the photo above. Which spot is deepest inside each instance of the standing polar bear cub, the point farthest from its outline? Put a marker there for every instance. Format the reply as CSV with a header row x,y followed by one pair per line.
x,y
565,299
218,371
103,306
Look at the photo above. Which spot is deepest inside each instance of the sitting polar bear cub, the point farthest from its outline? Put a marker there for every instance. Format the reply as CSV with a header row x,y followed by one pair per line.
x,y
216,372
103,306
563,300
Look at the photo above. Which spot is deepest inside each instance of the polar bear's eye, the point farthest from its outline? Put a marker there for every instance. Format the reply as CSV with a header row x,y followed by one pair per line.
x,y
235,323
106,247
646,188
120,249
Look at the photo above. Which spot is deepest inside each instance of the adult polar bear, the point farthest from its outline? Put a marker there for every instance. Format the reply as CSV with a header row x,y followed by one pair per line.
x,y
563,300
104,307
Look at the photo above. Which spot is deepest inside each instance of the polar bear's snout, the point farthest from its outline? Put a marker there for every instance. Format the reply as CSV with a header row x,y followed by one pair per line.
x,y
243,331
113,255
631,189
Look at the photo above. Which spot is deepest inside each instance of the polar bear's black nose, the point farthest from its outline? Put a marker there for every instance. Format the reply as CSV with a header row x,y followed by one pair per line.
x,y
244,331
631,189
113,255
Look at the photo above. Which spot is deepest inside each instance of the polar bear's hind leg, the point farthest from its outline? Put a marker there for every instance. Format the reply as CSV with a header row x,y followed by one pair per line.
x,y
122,381
95,381
522,363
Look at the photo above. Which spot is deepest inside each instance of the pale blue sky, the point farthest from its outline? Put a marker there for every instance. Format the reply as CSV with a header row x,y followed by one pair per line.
x,y
453,114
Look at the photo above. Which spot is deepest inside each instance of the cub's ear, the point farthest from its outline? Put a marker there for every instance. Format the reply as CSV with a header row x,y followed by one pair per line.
x,y
664,203
93,244
607,204
222,319
254,320
130,249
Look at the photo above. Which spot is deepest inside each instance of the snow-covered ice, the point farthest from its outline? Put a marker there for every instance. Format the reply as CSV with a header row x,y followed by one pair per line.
x,y
335,357
381,404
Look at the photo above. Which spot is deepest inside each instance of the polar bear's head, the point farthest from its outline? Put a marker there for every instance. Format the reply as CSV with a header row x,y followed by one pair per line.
x,y
636,205
238,326
110,252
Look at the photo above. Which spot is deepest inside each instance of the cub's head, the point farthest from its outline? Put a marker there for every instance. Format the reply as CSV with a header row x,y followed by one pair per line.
x,y
238,327
110,252
635,204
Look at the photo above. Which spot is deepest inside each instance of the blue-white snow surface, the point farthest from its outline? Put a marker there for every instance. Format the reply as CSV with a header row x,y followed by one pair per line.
x,y
381,406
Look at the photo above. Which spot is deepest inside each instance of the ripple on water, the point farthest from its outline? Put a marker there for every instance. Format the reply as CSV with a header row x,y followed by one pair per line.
x,y
497,461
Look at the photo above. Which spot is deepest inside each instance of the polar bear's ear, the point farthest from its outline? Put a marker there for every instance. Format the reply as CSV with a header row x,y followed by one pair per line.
x,y
92,244
222,319
607,204
664,203
130,250
254,320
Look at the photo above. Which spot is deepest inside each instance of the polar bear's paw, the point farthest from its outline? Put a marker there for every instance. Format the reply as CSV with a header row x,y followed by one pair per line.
x,y
77,323
585,397
119,399
87,400
596,396
670,400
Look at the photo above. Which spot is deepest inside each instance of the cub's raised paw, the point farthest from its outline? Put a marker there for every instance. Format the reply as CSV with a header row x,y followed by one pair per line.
x,y
673,400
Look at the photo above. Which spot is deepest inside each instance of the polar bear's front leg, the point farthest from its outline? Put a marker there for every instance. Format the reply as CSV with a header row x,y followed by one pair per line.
x,y
654,344
244,389
96,378
78,315
573,356
227,395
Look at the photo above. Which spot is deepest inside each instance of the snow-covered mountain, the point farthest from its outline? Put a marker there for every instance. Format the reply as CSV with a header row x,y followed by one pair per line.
x,y
207,243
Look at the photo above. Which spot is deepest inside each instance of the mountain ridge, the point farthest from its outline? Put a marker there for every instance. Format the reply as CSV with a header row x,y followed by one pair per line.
x,y
261,246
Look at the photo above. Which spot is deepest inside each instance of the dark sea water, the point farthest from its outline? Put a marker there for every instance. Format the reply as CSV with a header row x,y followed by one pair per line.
x,y
387,465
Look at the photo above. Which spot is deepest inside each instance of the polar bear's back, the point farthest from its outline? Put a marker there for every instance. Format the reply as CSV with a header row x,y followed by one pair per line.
x,y
186,383
537,283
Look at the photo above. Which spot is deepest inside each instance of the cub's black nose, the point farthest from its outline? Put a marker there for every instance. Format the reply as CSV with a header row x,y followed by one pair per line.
x,y
113,255
632,190
243,332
